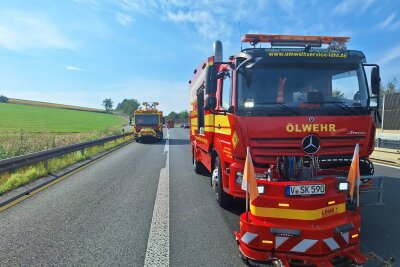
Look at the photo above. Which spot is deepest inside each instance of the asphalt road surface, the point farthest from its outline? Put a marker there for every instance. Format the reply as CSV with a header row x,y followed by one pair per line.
x,y
144,205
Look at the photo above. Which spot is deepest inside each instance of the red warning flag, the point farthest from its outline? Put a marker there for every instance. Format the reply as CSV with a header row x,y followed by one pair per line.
x,y
354,173
249,183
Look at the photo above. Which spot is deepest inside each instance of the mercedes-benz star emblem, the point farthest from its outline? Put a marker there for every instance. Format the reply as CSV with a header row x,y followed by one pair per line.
x,y
311,144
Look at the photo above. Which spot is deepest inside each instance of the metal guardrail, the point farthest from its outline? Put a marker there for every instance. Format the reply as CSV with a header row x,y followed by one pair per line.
x,y
376,187
30,159
384,143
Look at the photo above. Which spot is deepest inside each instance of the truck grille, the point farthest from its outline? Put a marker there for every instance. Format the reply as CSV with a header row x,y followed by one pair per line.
x,y
265,150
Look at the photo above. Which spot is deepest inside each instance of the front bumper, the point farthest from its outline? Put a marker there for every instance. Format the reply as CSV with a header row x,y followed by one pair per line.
x,y
314,244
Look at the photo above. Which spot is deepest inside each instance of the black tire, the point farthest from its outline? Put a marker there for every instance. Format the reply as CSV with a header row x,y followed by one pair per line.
x,y
223,199
197,165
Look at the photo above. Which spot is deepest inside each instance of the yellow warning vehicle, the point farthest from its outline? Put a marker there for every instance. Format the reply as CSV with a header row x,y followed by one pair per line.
x,y
148,122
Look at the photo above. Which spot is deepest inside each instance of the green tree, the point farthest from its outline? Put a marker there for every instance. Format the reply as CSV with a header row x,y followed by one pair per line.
x,y
3,99
183,116
108,104
391,87
337,93
128,106
172,116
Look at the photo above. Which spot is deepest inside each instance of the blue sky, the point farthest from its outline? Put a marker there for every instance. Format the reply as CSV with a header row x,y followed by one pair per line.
x,y
80,52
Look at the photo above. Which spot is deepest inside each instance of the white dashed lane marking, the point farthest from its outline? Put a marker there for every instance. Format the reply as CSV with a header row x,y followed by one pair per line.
x,y
157,253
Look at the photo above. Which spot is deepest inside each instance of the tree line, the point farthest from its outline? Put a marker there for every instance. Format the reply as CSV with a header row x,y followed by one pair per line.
x,y
128,106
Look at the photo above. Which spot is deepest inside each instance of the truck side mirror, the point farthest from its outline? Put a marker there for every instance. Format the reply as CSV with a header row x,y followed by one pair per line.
x,y
375,80
211,80
211,103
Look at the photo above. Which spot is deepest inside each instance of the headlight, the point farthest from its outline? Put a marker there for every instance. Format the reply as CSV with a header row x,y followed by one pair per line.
x,y
239,177
343,186
261,189
249,103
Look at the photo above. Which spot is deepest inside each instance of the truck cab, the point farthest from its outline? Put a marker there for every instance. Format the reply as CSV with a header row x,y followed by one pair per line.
x,y
301,106
147,123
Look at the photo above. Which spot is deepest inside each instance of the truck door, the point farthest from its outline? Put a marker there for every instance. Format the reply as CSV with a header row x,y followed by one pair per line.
x,y
223,121
202,140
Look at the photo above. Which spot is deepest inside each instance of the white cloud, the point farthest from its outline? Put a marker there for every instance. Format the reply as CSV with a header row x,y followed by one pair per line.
x,y
352,6
19,32
183,12
139,6
203,21
73,68
390,23
124,19
390,55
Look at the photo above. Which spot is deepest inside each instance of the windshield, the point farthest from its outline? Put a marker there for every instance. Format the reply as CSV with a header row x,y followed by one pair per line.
x,y
301,88
143,120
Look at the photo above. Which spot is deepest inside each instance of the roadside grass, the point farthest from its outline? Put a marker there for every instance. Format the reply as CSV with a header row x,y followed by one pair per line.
x,y
52,105
15,179
21,143
27,129
38,119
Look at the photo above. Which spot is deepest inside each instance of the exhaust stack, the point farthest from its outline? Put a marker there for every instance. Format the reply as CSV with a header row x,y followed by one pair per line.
x,y
218,51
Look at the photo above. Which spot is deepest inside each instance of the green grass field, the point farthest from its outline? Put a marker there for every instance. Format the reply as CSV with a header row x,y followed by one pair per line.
x,y
51,105
26,118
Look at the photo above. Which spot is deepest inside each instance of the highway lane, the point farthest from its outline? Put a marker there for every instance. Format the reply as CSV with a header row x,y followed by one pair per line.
x,y
380,225
201,233
102,215
99,216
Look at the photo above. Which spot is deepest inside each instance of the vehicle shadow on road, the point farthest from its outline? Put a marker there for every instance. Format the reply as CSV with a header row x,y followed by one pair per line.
x,y
237,206
152,142
177,142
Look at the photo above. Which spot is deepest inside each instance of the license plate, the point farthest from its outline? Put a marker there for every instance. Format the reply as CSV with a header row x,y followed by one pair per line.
x,y
305,190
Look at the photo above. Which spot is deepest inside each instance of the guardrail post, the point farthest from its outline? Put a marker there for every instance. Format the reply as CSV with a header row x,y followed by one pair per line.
x,y
83,152
378,142
46,164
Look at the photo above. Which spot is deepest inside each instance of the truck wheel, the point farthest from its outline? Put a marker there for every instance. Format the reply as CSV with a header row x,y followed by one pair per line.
x,y
197,165
223,198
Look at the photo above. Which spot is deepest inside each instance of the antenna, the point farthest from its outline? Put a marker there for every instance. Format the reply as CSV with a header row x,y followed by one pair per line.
x,y
240,37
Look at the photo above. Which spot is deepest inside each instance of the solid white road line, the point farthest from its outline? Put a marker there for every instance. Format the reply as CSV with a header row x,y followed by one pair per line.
x,y
157,253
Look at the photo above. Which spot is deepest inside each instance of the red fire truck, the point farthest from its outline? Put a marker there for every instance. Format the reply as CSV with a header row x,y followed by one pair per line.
x,y
301,106
170,124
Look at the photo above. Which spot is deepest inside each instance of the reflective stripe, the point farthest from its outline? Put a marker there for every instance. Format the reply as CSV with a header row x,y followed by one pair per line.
x,y
295,214
209,129
222,121
209,119
279,240
331,243
222,125
304,245
346,237
248,237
